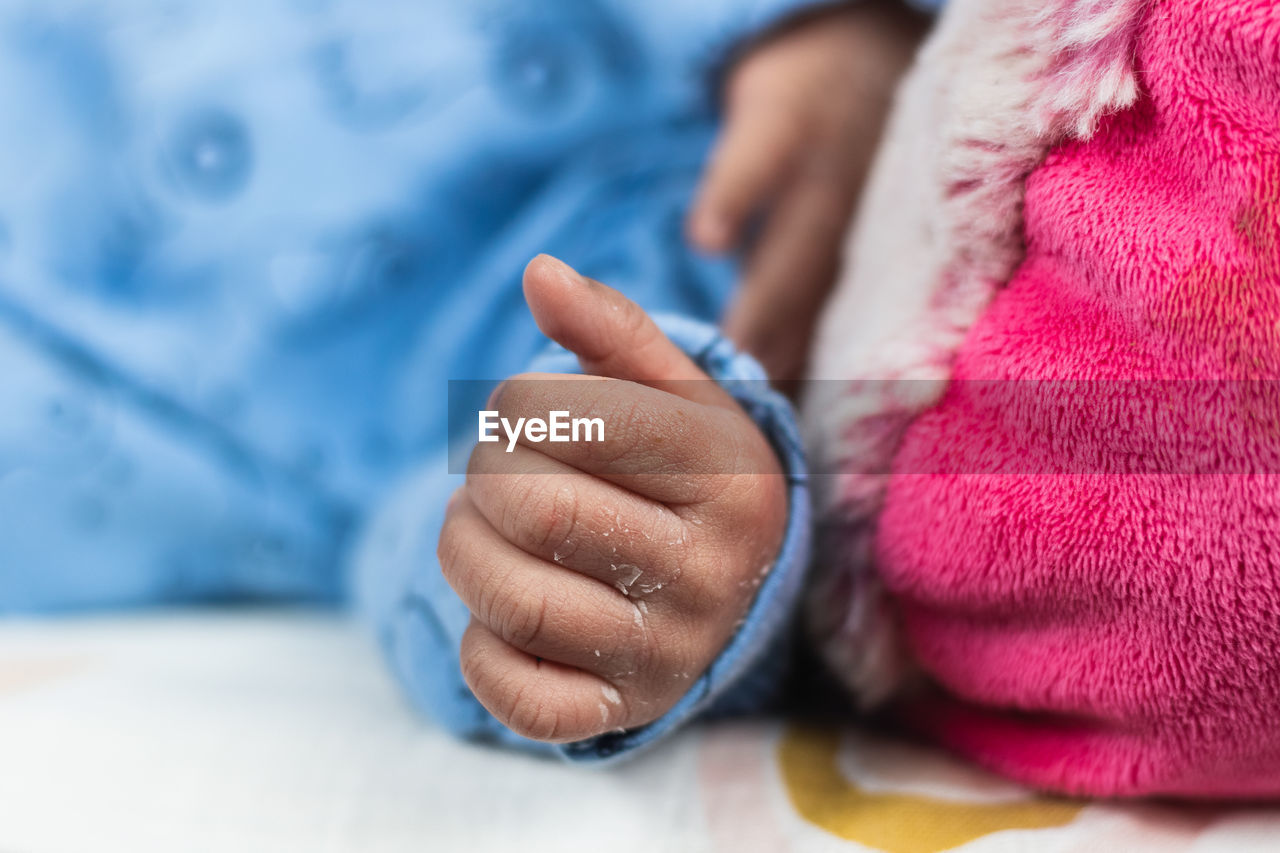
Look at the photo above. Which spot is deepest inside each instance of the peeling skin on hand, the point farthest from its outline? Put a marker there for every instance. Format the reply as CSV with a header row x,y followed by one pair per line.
x,y
629,583
627,575
649,588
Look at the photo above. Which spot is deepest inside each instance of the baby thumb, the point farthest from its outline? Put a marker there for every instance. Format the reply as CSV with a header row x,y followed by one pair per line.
x,y
611,335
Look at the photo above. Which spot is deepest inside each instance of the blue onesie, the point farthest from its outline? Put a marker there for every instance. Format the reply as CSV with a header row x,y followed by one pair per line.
x,y
245,245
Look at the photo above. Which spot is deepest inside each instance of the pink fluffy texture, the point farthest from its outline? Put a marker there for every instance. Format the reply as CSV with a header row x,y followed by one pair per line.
x,y
1097,629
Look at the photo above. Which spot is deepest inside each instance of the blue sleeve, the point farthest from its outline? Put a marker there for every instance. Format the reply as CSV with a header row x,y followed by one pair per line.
x,y
419,620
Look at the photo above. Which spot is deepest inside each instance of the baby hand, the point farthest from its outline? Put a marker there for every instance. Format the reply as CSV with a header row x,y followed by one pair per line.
x,y
804,108
603,577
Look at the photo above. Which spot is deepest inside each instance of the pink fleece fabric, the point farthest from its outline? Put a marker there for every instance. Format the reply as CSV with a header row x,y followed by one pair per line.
x,y
1091,570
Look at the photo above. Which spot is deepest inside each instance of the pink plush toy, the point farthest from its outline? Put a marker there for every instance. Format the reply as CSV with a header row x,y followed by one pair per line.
x,y
1069,272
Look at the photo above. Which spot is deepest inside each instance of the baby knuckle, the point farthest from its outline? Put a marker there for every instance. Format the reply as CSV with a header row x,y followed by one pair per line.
x,y
531,715
518,620
542,513
554,518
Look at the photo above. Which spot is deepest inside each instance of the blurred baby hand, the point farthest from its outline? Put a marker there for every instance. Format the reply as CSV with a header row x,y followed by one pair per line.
x,y
804,109
603,577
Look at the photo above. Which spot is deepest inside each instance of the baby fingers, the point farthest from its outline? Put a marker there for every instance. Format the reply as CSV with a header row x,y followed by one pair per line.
x,y
552,511
537,607
538,698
